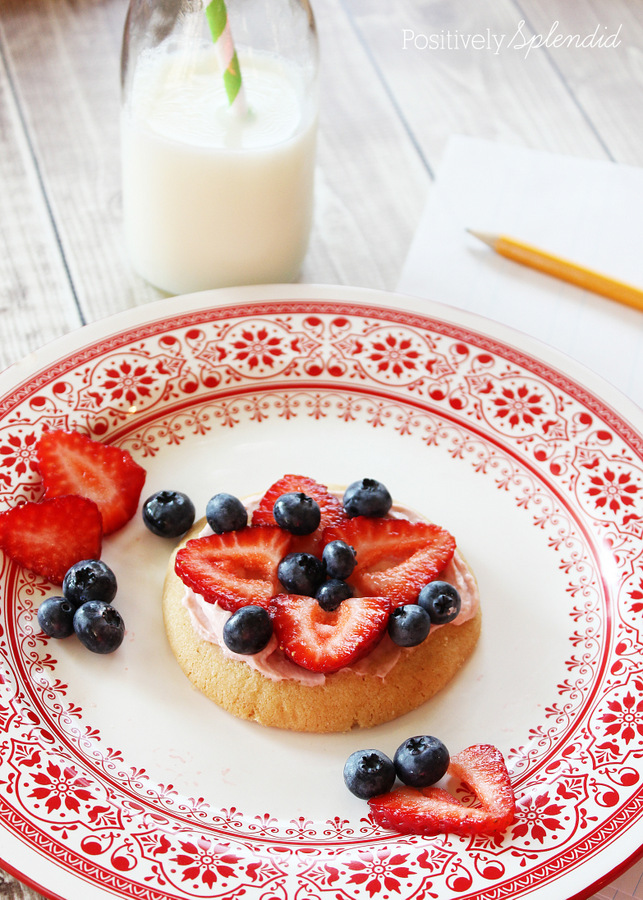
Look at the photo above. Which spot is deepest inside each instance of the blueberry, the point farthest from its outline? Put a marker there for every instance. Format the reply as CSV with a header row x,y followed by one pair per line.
x,y
89,579
56,617
225,512
301,573
297,513
248,630
368,773
168,514
441,600
367,497
332,593
339,559
421,760
99,626
409,625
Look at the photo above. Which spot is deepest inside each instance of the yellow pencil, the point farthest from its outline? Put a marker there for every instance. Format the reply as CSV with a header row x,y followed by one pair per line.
x,y
562,269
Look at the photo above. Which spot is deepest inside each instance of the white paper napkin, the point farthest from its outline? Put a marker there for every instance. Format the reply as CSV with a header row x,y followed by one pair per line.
x,y
590,212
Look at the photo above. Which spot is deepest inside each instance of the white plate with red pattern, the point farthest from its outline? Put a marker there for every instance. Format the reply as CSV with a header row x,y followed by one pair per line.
x,y
118,779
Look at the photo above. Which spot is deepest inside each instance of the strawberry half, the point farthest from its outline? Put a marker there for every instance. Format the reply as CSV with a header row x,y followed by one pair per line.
x,y
235,568
427,811
327,641
395,557
332,511
72,463
50,536
435,811
482,768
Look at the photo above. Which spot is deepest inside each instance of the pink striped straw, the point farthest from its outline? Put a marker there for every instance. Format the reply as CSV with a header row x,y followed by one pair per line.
x,y
217,16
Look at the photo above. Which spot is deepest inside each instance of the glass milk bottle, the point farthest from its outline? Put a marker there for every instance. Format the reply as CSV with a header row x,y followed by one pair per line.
x,y
219,119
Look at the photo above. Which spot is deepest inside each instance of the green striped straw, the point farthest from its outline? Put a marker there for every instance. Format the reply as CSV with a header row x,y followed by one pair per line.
x,y
217,16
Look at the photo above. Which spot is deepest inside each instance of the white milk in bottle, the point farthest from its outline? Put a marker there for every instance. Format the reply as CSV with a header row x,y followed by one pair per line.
x,y
212,198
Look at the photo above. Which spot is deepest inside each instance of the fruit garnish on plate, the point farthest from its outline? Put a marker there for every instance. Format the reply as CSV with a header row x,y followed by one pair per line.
x,y
90,490
433,810
71,463
168,513
85,608
50,536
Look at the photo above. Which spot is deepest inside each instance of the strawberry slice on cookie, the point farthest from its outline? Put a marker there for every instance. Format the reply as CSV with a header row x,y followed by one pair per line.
x,y
72,463
332,511
395,557
433,810
50,536
236,568
322,641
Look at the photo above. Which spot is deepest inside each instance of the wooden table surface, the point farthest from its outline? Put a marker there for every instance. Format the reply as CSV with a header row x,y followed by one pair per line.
x,y
387,111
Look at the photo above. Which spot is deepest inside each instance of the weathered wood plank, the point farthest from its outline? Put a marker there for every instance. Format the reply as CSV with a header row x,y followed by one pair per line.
x,y
13,890
371,182
36,300
10,889
443,83
605,75
65,64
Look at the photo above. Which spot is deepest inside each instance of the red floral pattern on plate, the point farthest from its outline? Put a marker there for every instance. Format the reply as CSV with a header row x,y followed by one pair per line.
x,y
566,459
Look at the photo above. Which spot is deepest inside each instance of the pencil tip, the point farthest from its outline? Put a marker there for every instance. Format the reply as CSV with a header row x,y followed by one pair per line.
x,y
483,236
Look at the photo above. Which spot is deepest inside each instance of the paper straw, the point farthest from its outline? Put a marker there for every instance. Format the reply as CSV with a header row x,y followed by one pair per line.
x,y
217,16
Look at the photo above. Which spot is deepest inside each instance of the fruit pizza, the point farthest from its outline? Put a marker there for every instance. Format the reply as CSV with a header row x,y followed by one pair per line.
x,y
318,610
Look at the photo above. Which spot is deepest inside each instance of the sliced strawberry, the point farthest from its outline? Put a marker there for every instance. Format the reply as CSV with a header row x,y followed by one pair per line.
x,y
71,463
327,641
235,568
427,811
395,557
50,536
482,768
332,511
435,811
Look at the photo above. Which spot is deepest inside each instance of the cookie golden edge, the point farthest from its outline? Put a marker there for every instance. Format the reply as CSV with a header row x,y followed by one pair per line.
x,y
345,701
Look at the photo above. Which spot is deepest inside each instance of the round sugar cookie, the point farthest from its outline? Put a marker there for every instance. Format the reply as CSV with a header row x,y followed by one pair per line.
x,y
346,700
